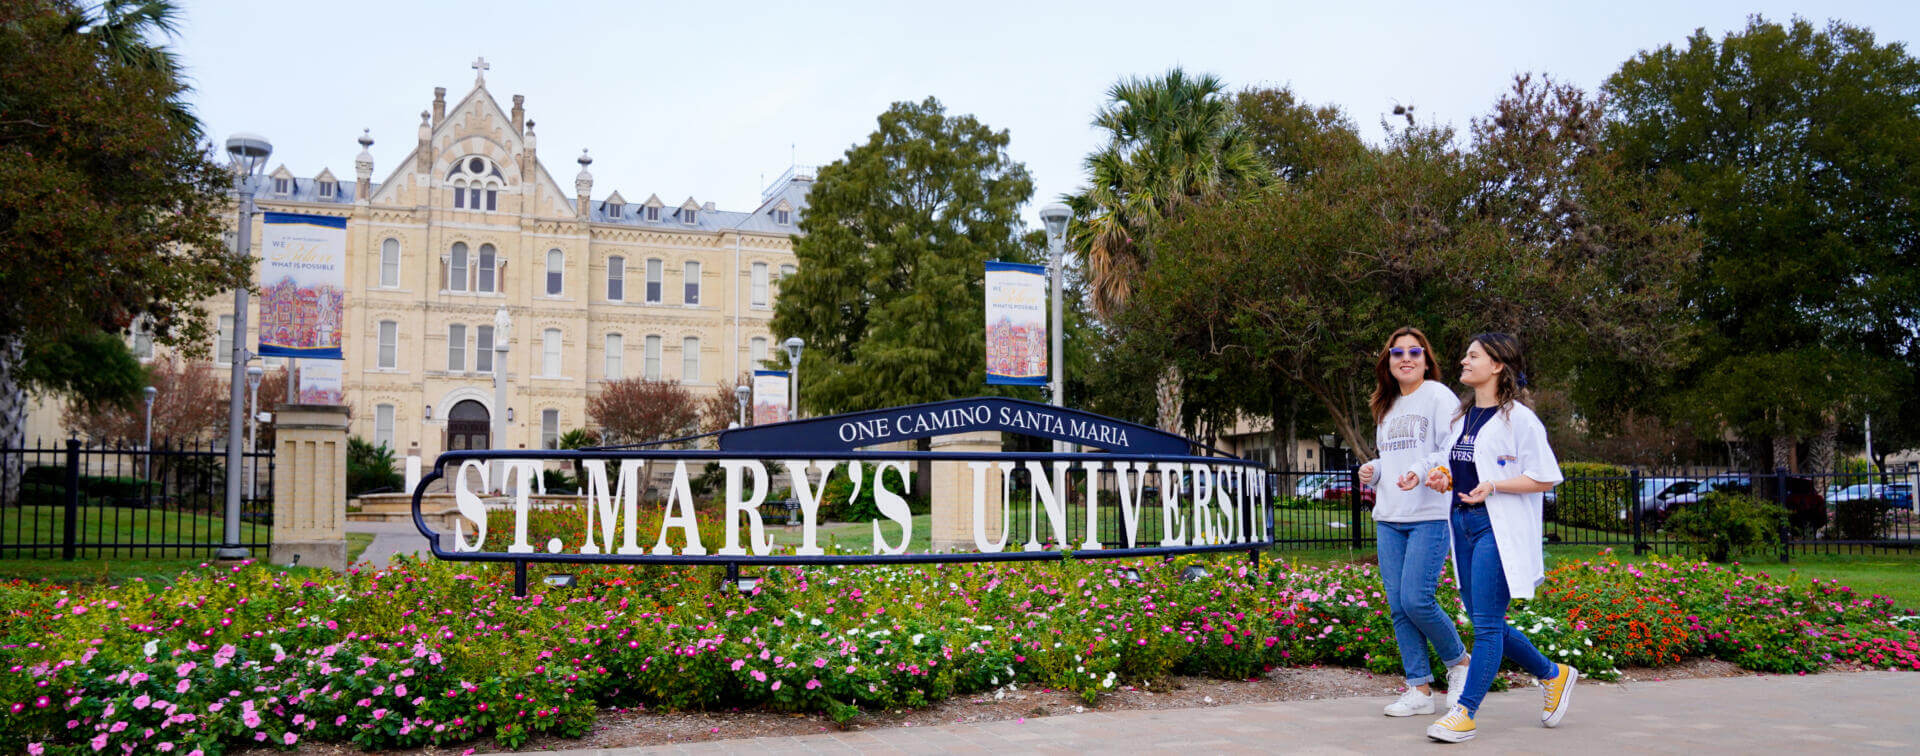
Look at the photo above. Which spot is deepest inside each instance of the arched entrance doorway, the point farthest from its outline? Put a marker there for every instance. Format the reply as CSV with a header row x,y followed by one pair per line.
x,y
468,426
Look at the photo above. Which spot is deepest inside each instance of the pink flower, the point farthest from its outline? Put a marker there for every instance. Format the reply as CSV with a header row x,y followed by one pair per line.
x,y
183,686
812,684
142,702
819,663
99,741
289,738
251,719
776,685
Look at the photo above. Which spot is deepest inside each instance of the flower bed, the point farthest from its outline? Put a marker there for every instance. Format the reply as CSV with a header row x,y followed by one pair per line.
x,y
440,653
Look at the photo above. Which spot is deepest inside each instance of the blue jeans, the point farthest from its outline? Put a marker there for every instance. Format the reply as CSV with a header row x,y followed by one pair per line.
x,y
1483,586
1411,557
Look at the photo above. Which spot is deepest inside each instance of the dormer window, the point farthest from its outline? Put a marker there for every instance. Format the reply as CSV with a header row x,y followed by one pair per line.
x,y
783,216
282,186
689,215
653,213
327,189
613,210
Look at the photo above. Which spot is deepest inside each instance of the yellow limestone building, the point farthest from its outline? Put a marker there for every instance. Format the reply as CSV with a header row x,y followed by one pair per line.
x,y
597,287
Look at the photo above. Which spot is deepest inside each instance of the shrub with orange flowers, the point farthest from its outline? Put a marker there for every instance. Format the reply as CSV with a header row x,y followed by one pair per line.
x,y
1621,610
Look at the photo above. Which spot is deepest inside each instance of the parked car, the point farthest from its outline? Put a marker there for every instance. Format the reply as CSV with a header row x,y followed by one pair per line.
x,y
1895,495
1341,489
1310,484
1806,508
1656,494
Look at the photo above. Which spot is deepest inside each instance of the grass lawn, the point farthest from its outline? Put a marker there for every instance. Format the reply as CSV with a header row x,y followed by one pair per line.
x,y
44,525
1895,575
357,543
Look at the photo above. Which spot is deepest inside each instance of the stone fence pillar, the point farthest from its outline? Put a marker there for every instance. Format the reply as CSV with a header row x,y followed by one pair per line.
x,y
953,493
310,486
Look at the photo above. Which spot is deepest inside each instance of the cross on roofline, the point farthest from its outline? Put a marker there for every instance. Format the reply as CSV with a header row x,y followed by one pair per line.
x,y
480,66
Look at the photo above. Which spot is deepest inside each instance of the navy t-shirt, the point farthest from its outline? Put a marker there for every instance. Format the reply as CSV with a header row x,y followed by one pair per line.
x,y
1466,477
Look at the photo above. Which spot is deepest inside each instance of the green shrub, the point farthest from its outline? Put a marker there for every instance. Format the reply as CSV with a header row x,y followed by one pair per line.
x,y
839,503
1308,502
1861,519
1723,526
558,482
53,474
1598,504
116,487
370,467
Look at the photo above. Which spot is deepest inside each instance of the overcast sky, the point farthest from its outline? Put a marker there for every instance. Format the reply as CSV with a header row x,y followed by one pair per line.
x,y
712,101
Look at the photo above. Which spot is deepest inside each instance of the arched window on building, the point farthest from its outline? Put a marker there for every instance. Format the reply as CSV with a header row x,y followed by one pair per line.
x,y
383,425
457,267
550,429
556,269
457,348
550,353
690,360
616,357
390,264
653,358
487,268
692,285
616,278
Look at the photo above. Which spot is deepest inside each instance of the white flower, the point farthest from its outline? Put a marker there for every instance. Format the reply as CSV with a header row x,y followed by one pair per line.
x,y
152,647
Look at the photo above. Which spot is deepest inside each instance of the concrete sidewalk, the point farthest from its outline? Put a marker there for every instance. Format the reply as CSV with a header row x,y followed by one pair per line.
x,y
1870,712
393,538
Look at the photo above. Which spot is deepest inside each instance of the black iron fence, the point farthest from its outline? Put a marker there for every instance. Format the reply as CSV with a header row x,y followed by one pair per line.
x,y
80,501
1828,512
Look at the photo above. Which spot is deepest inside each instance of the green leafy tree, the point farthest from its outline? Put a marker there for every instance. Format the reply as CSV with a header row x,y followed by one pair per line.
x,y
1797,154
891,273
112,204
1295,139
1534,230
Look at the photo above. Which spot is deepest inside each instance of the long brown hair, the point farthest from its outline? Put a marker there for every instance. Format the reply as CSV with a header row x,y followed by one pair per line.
x,y
1385,388
1502,348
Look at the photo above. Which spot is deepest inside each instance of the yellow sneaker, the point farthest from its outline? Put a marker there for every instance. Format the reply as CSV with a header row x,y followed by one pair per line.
x,y
1559,695
1455,727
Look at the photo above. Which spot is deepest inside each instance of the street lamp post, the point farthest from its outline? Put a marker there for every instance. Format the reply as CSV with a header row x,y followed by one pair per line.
x,y
795,346
502,414
741,395
254,372
1055,216
249,153
149,392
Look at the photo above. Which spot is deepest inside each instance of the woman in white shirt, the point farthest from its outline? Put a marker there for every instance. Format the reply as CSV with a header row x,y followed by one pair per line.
x,y
1498,465
1411,410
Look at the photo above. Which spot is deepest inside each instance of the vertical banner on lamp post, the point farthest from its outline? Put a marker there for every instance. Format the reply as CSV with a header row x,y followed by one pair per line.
x,y
770,396
1016,324
303,264
319,383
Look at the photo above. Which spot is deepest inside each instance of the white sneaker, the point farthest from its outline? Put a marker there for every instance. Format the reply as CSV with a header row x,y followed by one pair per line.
x,y
1411,702
1456,682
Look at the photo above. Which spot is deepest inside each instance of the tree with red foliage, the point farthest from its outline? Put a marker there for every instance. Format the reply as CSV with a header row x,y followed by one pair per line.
x,y
636,410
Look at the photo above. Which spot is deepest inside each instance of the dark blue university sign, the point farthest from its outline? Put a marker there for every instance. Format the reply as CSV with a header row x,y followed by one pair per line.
x,y
1134,491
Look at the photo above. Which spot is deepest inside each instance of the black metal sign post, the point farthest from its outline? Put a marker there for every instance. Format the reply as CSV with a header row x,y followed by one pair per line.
x,y
1204,503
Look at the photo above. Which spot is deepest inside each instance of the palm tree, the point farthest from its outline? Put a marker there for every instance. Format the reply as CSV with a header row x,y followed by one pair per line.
x,y
1171,143
123,28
